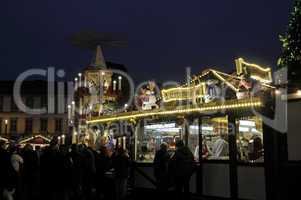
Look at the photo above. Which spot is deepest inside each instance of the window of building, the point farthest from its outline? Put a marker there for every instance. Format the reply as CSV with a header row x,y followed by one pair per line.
x,y
29,102
44,125
1,122
250,139
151,135
215,138
58,125
14,107
13,124
44,102
28,125
1,103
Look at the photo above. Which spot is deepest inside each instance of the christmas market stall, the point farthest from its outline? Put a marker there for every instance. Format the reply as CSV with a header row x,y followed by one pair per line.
x,y
219,117
37,141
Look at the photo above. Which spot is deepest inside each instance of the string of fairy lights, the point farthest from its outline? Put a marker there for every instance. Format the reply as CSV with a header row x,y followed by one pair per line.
x,y
142,114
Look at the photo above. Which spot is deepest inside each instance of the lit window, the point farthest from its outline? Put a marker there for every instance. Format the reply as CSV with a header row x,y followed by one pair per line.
x,y
215,143
250,139
152,135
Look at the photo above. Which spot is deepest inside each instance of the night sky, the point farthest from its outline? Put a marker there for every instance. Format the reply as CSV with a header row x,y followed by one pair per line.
x,y
164,36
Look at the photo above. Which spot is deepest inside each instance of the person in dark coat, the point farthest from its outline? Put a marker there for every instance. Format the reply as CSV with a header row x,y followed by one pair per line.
x,y
30,173
121,163
6,170
77,172
161,170
65,172
88,171
182,166
4,158
103,164
50,167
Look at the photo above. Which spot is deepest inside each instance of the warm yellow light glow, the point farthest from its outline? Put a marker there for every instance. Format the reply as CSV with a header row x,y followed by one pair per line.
x,y
194,91
28,139
203,108
266,70
260,79
183,93
254,65
298,92
222,79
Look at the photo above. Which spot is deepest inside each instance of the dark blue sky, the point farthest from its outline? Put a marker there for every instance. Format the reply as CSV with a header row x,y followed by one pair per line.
x,y
164,36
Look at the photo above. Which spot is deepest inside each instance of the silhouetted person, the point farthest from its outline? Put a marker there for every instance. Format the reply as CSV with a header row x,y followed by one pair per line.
x,y
88,171
103,164
50,172
7,173
4,157
30,173
161,170
121,165
76,181
65,172
181,168
17,164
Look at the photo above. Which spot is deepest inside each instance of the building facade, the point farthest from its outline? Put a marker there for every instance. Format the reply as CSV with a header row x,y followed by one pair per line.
x,y
17,124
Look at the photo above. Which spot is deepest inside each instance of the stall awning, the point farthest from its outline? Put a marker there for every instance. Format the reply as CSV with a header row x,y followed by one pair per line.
x,y
37,139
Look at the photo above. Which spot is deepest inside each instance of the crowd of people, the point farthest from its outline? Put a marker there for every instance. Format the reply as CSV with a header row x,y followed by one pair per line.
x,y
79,172
74,172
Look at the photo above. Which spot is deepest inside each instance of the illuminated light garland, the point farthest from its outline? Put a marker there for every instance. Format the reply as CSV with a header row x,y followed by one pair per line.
x,y
187,93
224,80
168,96
256,103
239,69
183,93
241,60
33,137
260,79
4,139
